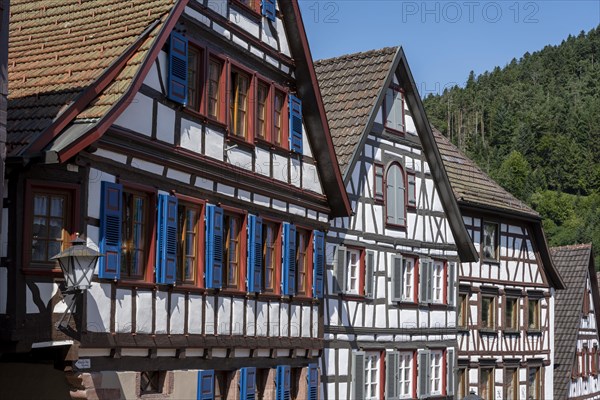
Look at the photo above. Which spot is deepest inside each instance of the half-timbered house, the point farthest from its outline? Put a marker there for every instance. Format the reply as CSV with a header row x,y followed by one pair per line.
x,y
390,308
576,358
188,142
505,303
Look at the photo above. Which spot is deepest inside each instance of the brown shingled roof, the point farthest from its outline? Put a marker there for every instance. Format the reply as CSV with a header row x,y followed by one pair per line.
x,y
350,86
59,48
575,264
473,186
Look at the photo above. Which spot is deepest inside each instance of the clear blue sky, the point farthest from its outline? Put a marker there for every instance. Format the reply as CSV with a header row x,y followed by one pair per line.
x,y
445,40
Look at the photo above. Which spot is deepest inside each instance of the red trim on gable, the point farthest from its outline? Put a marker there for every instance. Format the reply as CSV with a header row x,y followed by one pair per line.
x,y
97,131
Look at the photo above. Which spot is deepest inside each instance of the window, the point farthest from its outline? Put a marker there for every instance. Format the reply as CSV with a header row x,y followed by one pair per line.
x,y
371,384
378,188
151,382
437,281
222,379
302,261
188,255
405,365
408,279
214,95
194,76
436,373
279,126
488,312
533,313
51,220
394,109
585,361
232,251
486,383
238,104
262,95
251,4
490,241
395,196
594,361
355,270
463,383
463,310
511,314
586,303
511,381
534,382
270,236
135,233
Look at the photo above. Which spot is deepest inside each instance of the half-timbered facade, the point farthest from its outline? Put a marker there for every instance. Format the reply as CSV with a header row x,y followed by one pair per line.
x,y
505,303
390,308
576,360
187,141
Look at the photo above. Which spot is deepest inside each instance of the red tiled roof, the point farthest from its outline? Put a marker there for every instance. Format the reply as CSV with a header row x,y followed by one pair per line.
x,y
59,48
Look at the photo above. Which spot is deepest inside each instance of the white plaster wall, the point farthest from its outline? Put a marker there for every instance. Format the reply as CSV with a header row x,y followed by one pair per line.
x,y
191,136
138,115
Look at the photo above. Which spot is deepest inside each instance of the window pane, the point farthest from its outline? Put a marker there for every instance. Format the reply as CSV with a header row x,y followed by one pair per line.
x,y
214,73
40,205
277,120
56,206
193,77
261,111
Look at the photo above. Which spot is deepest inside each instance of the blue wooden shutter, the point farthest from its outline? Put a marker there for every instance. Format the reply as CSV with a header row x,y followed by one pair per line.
x,y
166,242
178,60
111,205
206,385
289,259
214,246
313,382
295,139
248,383
318,263
283,382
254,253
268,9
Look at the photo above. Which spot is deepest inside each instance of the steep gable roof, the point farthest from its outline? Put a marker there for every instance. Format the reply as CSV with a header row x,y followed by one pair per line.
x,y
73,59
350,86
352,100
576,264
473,186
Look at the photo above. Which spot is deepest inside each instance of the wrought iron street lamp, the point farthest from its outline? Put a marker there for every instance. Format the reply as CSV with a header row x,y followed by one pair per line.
x,y
77,263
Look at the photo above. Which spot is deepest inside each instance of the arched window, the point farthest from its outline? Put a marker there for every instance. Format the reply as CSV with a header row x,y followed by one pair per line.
x,y
395,198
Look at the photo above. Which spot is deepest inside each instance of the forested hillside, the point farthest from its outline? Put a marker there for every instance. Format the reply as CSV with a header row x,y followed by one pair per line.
x,y
534,126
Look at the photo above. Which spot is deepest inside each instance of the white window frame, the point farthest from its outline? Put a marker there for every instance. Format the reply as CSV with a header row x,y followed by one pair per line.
x,y
436,369
405,369
372,363
350,277
408,279
437,282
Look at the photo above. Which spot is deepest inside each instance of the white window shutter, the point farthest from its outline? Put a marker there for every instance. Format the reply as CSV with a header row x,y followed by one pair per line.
x,y
339,284
452,287
451,378
397,282
369,273
358,375
391,375
423,373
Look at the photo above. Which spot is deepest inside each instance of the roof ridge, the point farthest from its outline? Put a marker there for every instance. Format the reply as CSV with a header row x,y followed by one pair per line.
x,y
360,54
572,246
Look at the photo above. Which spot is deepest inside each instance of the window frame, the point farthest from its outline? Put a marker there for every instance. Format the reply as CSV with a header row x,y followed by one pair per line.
x,y
511,373
415,279
277,270
239,285
254,8
150,214
308,260
403,175
490,384
285,126
493,306
395,88
463,306
440,265
462,382
268,103
200,205
379,371
201,81
538,314
586,303
496,258
406,361
442,372
222,110
537,381
514,328
73,192
248,136
360,279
